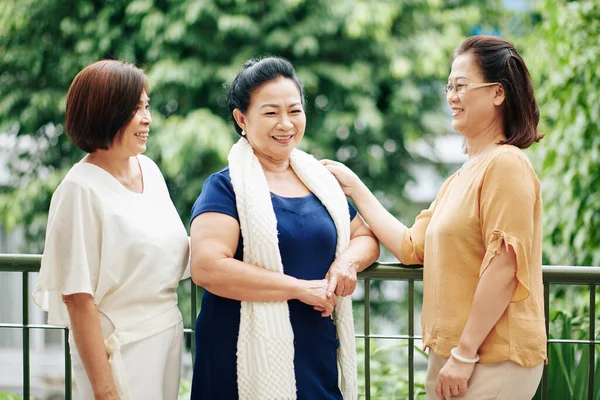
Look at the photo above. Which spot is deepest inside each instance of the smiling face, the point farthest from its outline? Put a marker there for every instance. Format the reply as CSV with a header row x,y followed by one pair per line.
x,y
132,139
274,122
478,108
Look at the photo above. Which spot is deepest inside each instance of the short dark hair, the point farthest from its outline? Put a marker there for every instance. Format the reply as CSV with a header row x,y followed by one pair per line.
x,y
257,72
498,61
101,102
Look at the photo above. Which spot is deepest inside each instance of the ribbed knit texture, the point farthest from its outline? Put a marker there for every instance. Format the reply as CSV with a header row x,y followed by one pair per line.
x,y
265,348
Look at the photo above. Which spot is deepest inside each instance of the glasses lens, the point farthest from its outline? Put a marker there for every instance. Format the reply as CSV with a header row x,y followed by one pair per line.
x,y
447,88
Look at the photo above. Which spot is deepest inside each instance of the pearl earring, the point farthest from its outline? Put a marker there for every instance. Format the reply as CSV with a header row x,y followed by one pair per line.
x,y
243,133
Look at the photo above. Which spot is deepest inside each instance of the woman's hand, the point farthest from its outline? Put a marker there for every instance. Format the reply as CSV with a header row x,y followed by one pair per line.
x,y
453,378
342,277
314,293
348,180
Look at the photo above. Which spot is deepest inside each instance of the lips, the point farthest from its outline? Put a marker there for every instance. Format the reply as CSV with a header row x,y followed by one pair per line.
x,y
283,138
142,135
456,111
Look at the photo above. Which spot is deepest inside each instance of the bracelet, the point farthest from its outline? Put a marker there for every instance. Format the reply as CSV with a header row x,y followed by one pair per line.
x,y
462,359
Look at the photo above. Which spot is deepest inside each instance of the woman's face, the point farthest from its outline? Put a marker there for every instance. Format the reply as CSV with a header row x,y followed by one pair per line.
x,y
475,110
274,122
132,140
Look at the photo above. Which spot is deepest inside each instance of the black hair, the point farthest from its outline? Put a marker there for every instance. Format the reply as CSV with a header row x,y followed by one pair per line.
x,y
257,72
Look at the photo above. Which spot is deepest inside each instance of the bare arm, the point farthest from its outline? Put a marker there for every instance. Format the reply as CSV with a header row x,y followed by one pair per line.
x,y
388,229
214,242
362,251
384,225
492,296
85,325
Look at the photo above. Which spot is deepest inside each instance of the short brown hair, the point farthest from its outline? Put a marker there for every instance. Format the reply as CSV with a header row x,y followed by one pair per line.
x,y
498,61
101,101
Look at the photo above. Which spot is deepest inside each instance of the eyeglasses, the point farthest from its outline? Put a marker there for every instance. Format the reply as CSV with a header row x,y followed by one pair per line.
x,y
461,88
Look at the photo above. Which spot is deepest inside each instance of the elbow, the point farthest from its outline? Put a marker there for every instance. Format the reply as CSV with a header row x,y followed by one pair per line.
x,y
203,275
79,304
376,252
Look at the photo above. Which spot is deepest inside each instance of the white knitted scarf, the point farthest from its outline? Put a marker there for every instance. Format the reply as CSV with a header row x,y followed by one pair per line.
x,y
265,348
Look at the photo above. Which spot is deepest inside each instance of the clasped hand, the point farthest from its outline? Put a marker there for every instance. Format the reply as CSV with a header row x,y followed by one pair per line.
x,y
339,281
315,294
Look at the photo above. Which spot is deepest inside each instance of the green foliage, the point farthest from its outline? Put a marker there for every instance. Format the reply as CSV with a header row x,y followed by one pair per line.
x,y
389,371
372,71
565,68
9,396
568,364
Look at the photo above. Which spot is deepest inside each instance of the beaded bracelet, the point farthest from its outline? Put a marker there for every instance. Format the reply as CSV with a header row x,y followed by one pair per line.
x,y
462,359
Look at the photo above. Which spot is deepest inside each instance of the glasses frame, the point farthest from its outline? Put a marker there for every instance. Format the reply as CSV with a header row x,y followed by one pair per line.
x,y
451,87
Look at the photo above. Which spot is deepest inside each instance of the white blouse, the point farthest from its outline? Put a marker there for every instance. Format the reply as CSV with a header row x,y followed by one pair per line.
x,y
128,250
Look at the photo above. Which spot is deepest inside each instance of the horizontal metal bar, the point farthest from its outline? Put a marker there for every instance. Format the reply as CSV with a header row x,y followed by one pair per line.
x,y
381,270
574,341
40,326
393,337
20,262
392,271
557,274
45,326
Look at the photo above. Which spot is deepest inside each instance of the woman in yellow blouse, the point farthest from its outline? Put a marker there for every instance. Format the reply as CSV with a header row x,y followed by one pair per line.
x,y
480,241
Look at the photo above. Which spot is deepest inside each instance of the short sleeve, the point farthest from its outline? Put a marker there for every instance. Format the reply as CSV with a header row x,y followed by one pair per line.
x,y
413,240
507,202
217,196
70,261
352,211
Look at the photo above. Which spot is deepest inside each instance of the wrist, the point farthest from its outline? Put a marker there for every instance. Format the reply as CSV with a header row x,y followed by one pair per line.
x,y
466,350
454,352
299,289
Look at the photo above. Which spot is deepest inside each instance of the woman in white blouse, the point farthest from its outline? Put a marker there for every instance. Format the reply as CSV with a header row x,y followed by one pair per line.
x,y
115,248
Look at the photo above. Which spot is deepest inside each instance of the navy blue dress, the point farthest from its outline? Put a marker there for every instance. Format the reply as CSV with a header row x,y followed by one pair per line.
x,y
307,242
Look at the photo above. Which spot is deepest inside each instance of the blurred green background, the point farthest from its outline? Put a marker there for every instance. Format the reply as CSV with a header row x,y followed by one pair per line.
x,y
373,72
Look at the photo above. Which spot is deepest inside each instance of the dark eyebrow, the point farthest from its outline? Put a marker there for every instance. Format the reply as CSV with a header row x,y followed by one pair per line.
x,y
277,105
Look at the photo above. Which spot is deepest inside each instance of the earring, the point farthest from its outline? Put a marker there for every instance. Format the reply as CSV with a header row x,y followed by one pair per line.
x,y
243,133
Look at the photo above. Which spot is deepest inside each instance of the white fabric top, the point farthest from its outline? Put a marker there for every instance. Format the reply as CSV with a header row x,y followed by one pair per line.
x,y
128,250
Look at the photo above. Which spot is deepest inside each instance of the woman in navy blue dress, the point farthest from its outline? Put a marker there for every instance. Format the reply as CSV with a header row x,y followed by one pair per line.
x,y
266,102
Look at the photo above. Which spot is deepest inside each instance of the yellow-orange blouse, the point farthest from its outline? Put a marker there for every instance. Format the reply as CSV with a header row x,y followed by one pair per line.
x,y
480,210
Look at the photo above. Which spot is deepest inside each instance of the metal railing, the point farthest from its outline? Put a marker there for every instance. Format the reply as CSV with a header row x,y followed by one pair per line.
x,y
588,276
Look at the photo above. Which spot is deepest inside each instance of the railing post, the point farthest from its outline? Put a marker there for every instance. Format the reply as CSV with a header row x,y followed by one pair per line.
x,y
26,352
547,313
193,290
592,340
68,376
367,339
411,339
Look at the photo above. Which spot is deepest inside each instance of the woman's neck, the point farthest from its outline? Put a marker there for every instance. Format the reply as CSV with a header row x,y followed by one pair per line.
x,y
484,142
116,164
272,166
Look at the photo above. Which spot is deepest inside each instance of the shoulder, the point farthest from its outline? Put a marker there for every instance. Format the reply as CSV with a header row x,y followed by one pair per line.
x,y
217,186
219,179
77,179
510,165
509,156
76,192
217,196
148,164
